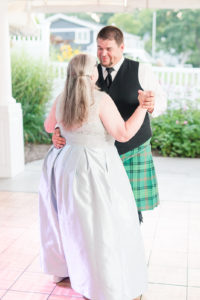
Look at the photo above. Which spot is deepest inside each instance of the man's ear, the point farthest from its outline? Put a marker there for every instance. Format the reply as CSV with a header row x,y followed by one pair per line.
x,y
122,46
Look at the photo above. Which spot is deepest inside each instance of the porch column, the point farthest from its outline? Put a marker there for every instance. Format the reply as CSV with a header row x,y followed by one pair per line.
x,y
11,122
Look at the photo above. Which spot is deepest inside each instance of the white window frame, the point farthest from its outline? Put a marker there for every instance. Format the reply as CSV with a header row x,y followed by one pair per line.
x,y
82,36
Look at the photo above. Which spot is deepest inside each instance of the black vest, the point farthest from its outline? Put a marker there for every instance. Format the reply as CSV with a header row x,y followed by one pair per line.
x,y
124,92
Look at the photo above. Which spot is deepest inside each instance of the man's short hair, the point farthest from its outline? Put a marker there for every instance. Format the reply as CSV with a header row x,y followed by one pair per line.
x,y
111,33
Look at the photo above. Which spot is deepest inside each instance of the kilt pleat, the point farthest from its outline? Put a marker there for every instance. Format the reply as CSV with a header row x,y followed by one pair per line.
x,y
140,169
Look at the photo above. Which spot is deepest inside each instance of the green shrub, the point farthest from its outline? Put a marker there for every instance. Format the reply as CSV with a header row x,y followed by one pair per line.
x,y
32,84
177,132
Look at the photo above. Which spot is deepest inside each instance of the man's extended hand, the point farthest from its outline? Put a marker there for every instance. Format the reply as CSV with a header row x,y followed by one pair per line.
x,y
147,100
58,141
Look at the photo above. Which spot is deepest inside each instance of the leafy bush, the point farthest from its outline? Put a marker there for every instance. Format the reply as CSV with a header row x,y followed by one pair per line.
x,y
177,132
32,84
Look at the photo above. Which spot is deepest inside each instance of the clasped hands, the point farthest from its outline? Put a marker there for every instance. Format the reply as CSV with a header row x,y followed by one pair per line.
x,y
146,100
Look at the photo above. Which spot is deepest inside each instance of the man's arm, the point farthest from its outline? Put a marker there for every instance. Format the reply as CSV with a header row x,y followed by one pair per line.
x,y
57,139
149,82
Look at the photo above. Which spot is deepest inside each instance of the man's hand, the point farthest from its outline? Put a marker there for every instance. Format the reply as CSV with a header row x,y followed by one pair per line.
x,y
147,100
58,141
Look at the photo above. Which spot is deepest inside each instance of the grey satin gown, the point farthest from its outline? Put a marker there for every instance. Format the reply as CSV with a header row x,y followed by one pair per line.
x,y
88,217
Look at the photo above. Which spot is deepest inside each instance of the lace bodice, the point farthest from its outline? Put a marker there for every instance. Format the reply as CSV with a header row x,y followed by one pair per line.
x,y
92,133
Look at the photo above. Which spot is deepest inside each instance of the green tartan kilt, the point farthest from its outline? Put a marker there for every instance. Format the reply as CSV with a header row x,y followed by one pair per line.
x,y
141,173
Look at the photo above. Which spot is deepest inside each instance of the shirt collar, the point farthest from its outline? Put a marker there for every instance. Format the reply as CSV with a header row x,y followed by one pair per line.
x,y
116,67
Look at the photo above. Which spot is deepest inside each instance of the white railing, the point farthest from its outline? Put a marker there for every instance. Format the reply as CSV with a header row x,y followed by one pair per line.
x,y
178,83
34,45
59,69
19,39
178,76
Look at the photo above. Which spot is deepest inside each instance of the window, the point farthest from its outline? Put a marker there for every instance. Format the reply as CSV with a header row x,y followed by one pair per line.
x,y
82,36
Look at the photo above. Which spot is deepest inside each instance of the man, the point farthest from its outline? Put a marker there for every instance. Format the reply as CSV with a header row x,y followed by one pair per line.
x,y
123,79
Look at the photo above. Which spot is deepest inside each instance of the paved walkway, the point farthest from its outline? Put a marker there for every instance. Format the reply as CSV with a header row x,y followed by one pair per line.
x,y
171,236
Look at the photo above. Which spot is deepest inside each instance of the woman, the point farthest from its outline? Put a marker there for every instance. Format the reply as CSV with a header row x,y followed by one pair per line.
x,y
88,219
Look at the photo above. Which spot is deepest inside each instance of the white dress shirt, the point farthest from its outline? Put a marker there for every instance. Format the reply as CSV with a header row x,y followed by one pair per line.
x,y
115,67
148,82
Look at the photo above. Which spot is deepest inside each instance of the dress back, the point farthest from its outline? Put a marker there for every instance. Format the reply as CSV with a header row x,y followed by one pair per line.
x,y
92,133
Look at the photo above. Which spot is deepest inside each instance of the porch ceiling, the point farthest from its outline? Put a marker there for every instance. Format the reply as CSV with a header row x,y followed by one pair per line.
x,y
54,6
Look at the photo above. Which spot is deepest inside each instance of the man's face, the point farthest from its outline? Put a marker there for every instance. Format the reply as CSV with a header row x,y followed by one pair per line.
x,y
108,52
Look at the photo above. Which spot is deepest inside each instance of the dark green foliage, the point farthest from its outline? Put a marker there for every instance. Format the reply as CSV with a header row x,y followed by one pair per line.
x,y
177,133
32,84
180,31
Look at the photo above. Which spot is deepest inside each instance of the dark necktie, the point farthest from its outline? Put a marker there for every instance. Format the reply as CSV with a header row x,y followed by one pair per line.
x,y
108,79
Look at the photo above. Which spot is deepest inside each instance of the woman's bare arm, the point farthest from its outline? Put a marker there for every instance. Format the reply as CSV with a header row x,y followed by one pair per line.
x,y
115,125
50,122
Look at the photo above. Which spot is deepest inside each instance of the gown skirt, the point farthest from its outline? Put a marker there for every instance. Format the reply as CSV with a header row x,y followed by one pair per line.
x,y
89,225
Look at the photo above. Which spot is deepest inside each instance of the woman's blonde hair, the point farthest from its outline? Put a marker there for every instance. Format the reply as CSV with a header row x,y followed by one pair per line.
x,y
79,91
